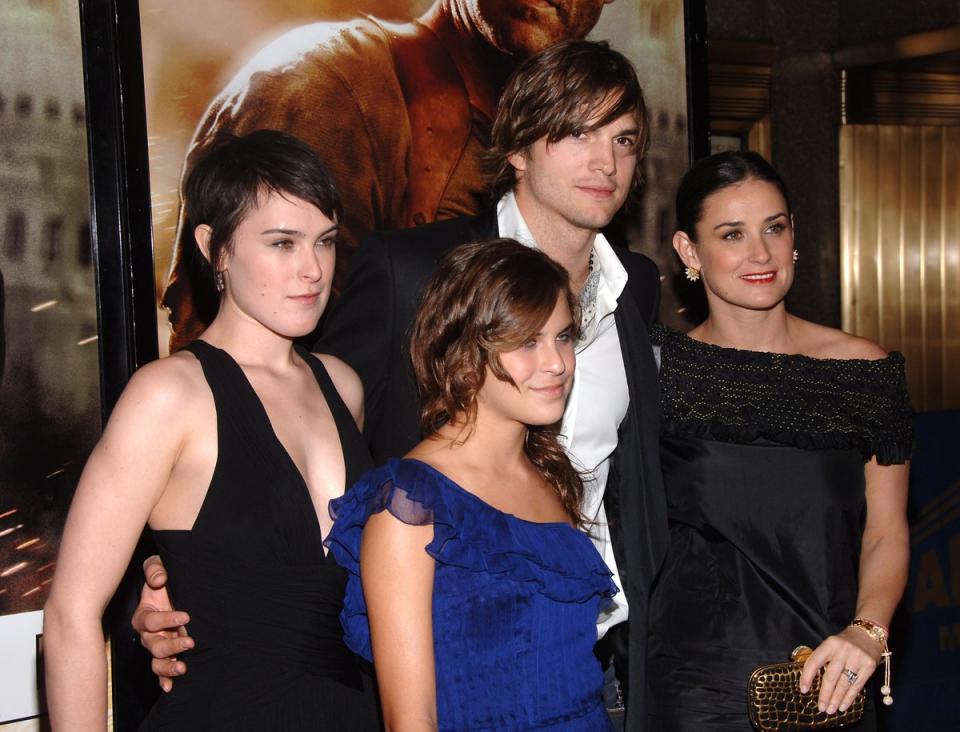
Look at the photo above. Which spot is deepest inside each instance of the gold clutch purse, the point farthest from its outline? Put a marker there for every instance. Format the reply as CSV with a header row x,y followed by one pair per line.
x,y
776,703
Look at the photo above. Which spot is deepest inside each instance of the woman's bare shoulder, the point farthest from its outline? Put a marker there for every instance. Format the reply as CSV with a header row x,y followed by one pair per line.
x,y
180,370
166,386
821,341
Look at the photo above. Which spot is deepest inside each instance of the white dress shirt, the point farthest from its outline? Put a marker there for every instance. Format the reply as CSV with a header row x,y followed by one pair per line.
x,y
599,397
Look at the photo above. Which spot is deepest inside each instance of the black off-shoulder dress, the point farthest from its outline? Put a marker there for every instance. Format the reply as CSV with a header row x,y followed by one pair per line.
x,y
763,457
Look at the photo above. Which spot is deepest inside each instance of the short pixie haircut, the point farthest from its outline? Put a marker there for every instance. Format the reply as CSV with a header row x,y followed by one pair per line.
x,y
569,86
484,299
715,173
235,174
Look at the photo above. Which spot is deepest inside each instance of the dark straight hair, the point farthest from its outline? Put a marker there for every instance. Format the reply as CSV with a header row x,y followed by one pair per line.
x,y
234,175
714,173
569,86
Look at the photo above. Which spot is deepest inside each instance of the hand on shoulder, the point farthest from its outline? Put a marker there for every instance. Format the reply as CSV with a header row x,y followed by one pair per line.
x,y
348,384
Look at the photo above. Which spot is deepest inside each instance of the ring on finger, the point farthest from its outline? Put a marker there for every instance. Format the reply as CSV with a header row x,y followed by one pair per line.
x,y
852,676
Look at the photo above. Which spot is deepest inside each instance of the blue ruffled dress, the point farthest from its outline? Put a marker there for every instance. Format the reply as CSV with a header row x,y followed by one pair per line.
x,y
514,603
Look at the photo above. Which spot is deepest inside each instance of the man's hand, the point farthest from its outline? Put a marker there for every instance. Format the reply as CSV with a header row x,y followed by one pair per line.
x,y
162,629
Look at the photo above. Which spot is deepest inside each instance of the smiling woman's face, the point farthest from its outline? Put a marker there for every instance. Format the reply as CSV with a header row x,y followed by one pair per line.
x,y
744,247
542,373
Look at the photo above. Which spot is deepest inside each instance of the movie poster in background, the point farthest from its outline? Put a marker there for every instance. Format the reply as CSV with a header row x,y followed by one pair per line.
x,y
49,369
343,90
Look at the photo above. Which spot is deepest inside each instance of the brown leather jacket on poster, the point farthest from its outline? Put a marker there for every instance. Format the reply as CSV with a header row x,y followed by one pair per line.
x,y
386,110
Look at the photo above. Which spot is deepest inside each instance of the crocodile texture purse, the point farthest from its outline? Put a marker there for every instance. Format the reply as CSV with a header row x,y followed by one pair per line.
x,y
776,703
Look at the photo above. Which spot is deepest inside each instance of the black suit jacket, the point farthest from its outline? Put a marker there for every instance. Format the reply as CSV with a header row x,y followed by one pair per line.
x,y
369,328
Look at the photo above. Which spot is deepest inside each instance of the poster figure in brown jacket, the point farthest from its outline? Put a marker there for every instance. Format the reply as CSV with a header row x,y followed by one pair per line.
x,y
399,112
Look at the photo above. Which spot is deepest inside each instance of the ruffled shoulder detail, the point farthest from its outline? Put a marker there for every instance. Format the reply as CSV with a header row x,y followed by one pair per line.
x,y
659,333
731,395
556,560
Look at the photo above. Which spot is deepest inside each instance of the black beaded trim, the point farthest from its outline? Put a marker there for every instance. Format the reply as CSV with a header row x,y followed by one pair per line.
x,y
741,396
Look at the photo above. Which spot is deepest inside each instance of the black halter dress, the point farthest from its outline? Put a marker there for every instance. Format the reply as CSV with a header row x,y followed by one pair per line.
x,y
264,600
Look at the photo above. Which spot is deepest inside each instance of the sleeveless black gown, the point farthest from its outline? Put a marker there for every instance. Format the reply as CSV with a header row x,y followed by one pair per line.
x,y
763,458
264,600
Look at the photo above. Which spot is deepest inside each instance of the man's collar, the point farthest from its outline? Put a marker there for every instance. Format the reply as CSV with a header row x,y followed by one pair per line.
x,y
510,221
613,274
614,277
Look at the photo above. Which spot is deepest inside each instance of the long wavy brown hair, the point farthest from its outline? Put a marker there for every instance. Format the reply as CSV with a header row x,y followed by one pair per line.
x,y
484,299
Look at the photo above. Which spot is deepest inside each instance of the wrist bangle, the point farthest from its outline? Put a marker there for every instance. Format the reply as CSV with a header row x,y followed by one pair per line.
x,y
880,634
874,630
884,628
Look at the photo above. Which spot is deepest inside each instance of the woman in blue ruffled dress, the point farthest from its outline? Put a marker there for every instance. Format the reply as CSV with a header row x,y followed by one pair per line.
x,y
471,586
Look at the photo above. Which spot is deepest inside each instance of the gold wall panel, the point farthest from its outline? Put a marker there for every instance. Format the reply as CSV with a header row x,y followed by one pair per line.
x,y
875,96
900,250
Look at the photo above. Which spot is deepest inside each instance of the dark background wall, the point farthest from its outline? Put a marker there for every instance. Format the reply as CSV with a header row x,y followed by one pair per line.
x,y
805,111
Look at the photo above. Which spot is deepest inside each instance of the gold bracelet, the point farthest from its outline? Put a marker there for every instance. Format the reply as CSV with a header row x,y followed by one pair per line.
x,y
879,634
875,631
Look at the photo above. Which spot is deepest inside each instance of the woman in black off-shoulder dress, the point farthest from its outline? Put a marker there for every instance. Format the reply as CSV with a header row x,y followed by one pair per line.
x,y
784,447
